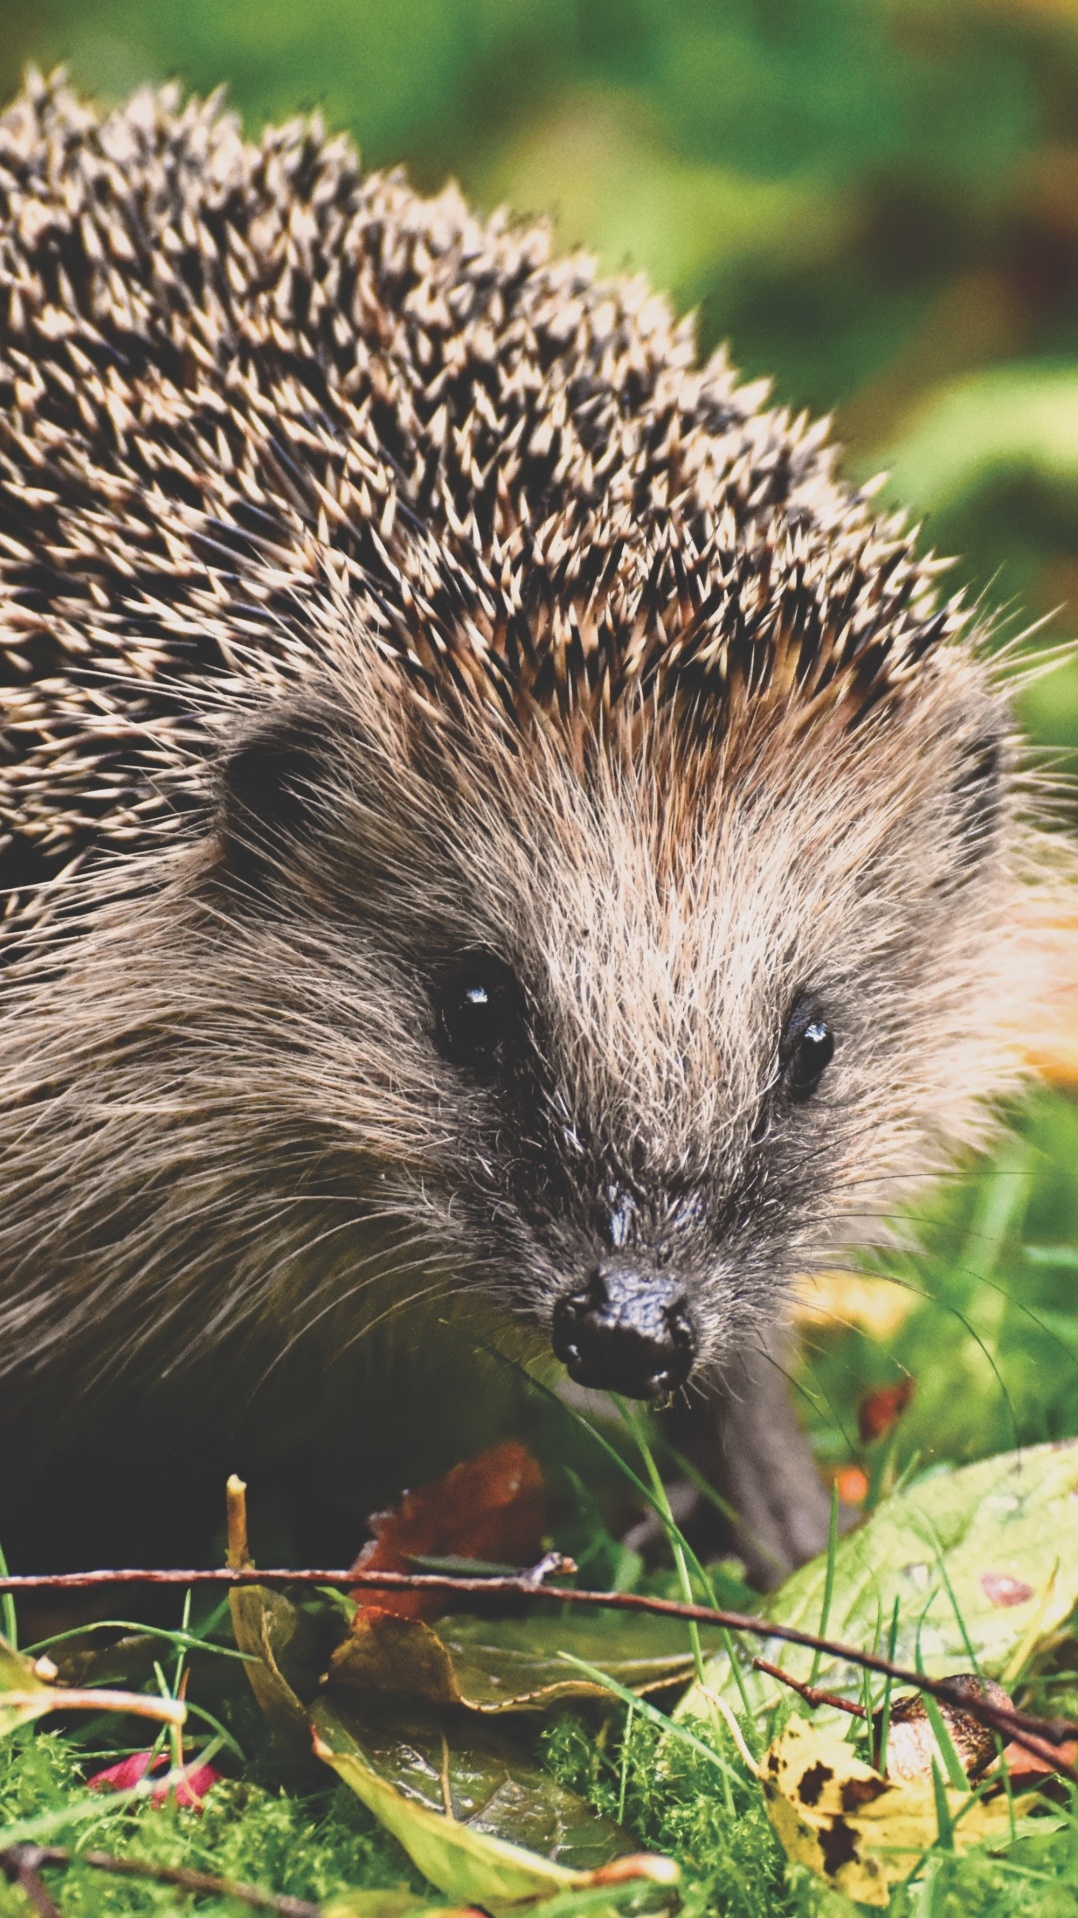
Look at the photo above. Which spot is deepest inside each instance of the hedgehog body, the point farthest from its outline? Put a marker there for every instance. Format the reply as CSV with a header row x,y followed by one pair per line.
x,y
465,769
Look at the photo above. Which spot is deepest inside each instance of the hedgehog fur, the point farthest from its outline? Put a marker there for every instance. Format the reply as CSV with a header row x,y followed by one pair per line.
x,y
378,592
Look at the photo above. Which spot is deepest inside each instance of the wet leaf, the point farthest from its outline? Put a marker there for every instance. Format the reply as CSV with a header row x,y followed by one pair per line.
x,y
508,1665
478,1776
858,1831
491,1508
472,1806
128,1660
1001,1534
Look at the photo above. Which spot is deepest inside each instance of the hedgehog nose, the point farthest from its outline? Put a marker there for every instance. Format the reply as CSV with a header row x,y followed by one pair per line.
x,y
626,1331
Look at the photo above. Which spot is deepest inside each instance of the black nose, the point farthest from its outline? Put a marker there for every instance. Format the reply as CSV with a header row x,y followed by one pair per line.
x,y
625,1331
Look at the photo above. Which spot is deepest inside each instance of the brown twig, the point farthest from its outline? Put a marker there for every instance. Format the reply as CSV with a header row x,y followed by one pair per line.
x,y
1034,1734
812,1694
518,1583
22,1865
19,1865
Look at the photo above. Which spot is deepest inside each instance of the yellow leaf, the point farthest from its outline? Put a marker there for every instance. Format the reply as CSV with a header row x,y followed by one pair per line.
x,y
876,1306
858,1831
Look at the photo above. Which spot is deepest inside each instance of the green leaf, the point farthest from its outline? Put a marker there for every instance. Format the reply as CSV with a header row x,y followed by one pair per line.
x,y
471,1805
23,1695
1007,1529
509,1665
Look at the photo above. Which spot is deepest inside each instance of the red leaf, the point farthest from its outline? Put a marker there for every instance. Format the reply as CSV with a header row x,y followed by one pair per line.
x,y
191,1789
491,1507
881,1410
129,1772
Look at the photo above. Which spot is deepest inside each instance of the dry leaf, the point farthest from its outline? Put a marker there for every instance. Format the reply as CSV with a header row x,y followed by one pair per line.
x,y
490,1508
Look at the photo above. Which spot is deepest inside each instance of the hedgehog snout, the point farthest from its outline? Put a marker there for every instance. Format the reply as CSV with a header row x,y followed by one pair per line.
x,y
626,1330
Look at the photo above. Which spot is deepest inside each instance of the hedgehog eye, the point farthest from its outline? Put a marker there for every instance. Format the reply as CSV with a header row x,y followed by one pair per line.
x,y
808,1046
477,1012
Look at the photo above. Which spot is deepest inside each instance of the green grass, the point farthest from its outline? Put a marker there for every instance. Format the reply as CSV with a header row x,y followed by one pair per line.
x,y
991,1340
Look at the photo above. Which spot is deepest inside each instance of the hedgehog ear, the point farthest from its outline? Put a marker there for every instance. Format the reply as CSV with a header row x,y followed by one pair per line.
x,y
267,786
978,789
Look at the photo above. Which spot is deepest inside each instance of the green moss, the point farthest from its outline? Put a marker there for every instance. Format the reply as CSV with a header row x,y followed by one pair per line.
x,y
307,1845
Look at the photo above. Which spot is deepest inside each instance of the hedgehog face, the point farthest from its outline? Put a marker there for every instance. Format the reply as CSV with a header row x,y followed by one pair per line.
x,y
713,1010
650,1021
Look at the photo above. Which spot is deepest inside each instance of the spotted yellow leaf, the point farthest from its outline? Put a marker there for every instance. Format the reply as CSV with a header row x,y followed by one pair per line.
x,y
861,1832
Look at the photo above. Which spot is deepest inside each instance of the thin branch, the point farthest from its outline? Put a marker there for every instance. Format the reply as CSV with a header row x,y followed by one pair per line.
x,y
23,1863
1038,1735
812,1694
72,1698
517,1583
19,1868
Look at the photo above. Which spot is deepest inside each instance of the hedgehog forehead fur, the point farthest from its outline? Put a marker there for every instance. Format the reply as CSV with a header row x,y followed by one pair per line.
x,y
374,591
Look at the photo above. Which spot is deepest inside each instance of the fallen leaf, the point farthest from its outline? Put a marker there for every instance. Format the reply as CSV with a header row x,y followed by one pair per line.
x,y
127,1660
1015,1515
490,1508
508,1665
858,1831
473,1807
284,1664
189,1791
1023,1765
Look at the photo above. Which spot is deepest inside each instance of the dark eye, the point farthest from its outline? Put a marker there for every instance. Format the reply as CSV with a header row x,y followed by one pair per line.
x,y
477,1012
808,1045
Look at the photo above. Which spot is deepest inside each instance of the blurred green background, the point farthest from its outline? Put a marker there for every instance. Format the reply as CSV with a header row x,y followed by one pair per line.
x,y
876,203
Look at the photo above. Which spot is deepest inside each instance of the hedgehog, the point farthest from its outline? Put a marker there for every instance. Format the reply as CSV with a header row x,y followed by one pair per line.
x,y
504,850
